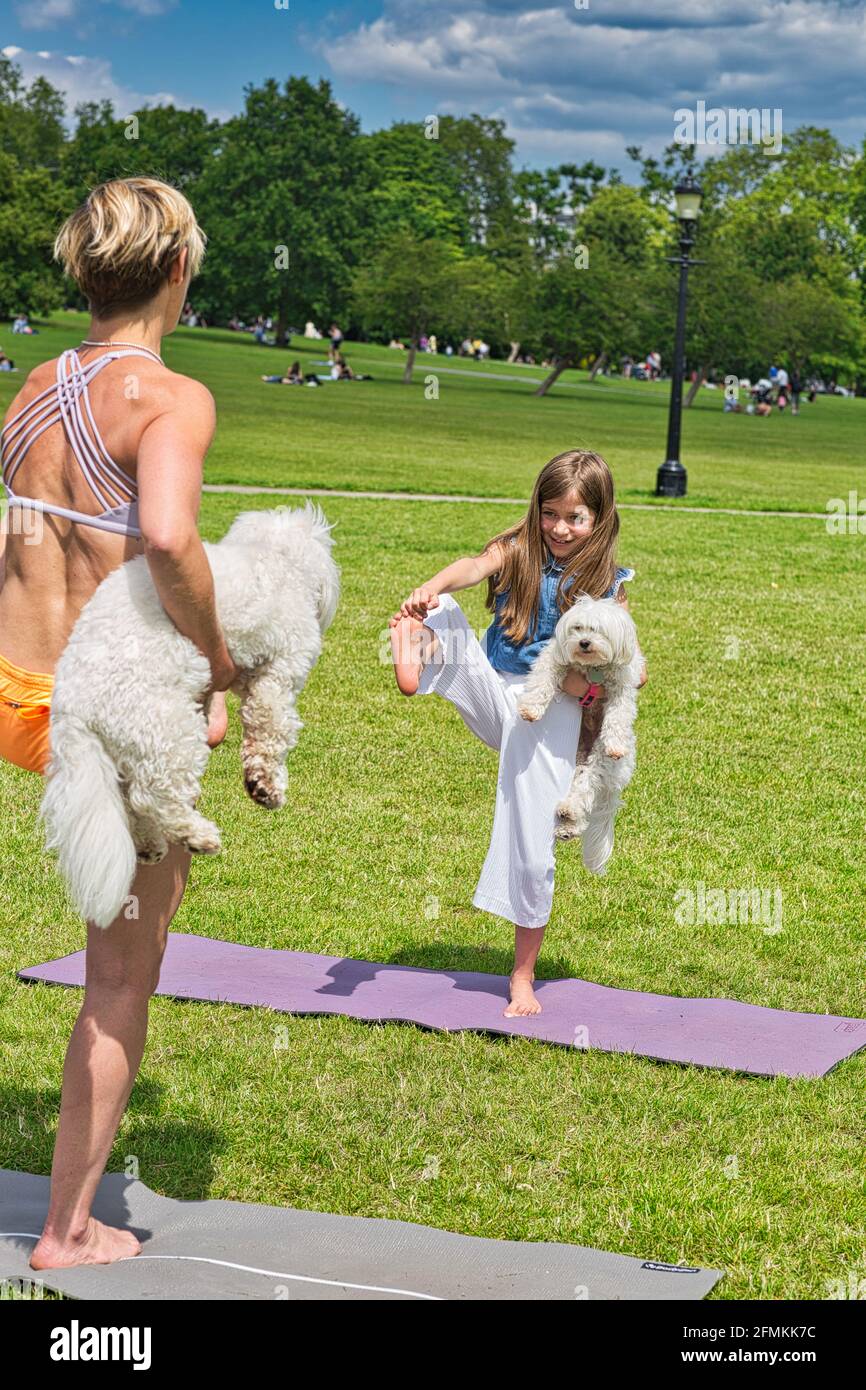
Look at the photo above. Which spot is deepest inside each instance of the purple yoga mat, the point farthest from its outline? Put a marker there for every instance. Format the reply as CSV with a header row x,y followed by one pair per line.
x,y
704,1032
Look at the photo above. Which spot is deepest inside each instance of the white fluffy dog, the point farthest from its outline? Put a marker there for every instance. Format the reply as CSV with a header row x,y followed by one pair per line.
x,y
599,638
129,724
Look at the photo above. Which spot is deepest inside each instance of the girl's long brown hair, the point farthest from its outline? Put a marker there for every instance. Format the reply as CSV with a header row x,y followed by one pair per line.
x,y
590,570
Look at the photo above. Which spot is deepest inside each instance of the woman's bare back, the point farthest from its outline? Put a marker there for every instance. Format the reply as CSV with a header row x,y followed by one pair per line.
x,y
53,565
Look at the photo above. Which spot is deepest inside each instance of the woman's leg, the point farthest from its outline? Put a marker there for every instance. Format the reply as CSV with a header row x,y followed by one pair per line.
x,y
102,1060
122,966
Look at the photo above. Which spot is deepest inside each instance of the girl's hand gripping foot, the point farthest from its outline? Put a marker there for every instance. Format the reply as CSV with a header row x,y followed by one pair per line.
x,y
409,640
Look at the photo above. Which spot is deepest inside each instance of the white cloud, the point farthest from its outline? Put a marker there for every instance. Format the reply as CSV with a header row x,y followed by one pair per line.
x,y
595,80
49,14
82,78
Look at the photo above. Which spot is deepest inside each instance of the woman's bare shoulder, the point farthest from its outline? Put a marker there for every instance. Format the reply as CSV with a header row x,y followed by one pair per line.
x,y
193,392
169,395
39,378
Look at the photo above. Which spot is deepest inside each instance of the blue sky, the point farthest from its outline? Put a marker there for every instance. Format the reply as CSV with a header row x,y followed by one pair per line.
x,y
572,79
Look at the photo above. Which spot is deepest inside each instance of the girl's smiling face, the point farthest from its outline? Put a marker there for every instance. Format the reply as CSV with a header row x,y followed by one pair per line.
x,y
566,521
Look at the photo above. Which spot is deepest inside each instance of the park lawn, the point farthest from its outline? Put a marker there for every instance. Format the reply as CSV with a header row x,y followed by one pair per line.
x,y
749,775
484,435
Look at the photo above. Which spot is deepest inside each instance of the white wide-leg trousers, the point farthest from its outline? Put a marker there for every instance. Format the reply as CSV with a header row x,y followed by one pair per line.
x,y
536,765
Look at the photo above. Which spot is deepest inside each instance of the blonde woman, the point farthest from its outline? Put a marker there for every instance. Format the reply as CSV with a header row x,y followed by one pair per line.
x,y
102,453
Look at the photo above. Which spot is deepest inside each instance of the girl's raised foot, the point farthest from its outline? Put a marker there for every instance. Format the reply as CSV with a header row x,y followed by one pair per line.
x,y
407,647
101,1245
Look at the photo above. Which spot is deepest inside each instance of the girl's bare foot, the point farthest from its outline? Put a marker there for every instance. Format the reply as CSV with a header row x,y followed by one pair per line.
x,y
523,1000
409,639
100,1245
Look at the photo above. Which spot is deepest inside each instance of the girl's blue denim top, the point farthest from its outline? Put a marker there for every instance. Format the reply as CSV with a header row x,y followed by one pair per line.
x,y
504,655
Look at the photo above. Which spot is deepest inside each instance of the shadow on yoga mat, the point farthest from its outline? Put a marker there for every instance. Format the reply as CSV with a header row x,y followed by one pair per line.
x,y
235,1250
703,1032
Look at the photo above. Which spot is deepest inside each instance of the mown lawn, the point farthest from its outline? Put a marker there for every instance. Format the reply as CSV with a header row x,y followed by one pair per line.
x,y
750,774
485,435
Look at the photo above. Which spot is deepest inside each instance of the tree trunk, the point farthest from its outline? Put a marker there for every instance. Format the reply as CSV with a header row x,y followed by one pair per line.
x,y
280,337
695,387
515,348
600,361
410,362
560,365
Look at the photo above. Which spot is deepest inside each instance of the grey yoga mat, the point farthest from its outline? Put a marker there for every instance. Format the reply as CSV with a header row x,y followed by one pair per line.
x,y
234,1250
706,1032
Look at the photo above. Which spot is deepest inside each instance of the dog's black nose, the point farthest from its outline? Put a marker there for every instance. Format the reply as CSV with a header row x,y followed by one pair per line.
x,y
584,644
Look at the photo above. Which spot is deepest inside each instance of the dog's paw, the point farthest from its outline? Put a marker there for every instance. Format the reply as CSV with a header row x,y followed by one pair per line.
x,y
566,829
614,750
204,841
571,820
264,792
530,712
151,854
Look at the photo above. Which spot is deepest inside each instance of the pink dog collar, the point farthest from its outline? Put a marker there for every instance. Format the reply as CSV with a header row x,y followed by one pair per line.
x,y
590,695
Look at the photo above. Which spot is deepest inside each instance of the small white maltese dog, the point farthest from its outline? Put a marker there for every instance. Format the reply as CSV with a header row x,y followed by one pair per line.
x,y
599,638
129,724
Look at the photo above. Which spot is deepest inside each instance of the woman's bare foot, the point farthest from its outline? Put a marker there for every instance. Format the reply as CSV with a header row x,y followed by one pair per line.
x,y
523,1000
409,649
101,1245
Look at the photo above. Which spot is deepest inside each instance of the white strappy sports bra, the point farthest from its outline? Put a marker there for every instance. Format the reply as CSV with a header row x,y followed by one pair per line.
x,y
62,402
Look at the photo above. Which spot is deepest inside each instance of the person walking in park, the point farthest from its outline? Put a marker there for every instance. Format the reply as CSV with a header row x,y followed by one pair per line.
x,y
110,475
565,544
336,335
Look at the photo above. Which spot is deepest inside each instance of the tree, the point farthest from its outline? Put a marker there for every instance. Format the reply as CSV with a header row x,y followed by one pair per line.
x,y
478,153
31,206
590,300
413,287
31,119
585,304
413,186
282,202
158,142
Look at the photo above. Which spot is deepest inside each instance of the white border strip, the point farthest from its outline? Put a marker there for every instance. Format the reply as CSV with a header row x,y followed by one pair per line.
x,y
229,1264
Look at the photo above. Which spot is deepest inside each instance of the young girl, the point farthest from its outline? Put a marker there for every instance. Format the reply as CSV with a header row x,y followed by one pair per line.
x,y
535,569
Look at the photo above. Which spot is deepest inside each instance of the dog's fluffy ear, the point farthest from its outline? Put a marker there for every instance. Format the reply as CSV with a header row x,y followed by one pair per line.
x,y
621,631
328,594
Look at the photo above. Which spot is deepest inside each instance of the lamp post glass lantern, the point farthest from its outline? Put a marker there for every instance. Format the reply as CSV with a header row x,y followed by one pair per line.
x,y
671,477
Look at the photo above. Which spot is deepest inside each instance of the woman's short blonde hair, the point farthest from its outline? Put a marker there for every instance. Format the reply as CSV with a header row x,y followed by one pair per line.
x,y
119,245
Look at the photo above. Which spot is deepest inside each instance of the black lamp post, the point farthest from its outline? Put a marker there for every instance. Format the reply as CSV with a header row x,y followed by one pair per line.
x,y
671,477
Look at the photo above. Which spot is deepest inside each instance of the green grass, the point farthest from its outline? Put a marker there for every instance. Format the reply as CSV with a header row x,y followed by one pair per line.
x,y
484,435
749,775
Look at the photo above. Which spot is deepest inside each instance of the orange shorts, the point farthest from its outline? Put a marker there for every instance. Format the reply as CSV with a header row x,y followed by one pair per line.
x,y
25,711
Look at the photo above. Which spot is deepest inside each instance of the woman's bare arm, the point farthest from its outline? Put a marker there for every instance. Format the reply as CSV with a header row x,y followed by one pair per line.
x,y
170,469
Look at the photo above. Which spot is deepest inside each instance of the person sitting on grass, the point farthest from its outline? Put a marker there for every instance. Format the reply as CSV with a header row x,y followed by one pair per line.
x,y
341,371
293,377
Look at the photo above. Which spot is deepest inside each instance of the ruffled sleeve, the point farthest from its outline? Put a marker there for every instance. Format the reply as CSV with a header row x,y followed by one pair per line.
x,y
623,572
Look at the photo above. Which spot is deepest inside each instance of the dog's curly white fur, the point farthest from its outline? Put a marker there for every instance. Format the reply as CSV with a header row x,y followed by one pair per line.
x,y
128,728
599,638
